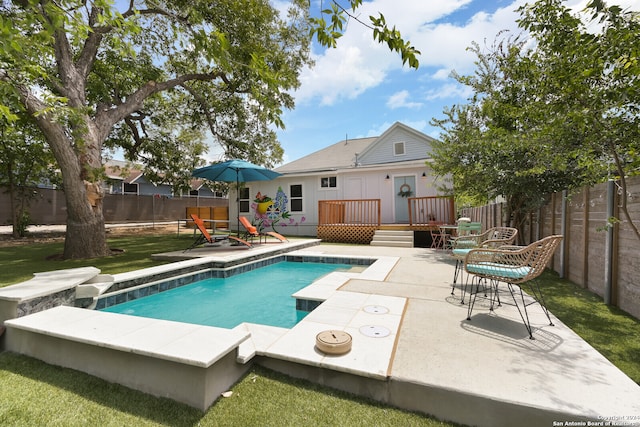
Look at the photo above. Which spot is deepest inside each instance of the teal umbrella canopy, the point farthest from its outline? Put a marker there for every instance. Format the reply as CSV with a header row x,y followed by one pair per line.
x,y
235,171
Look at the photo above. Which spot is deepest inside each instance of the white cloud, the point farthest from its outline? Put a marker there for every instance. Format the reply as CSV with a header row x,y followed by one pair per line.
x,y
400,100
449,90
359,63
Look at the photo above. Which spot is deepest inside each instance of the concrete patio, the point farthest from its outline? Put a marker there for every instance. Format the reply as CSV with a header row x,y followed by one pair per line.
x,y
486,371
481,372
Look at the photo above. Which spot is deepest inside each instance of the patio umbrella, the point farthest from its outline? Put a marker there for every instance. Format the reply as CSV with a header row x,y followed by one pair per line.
x,y
235,171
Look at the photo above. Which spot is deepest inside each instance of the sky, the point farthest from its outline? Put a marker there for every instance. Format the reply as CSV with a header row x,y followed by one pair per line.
x,y
360,88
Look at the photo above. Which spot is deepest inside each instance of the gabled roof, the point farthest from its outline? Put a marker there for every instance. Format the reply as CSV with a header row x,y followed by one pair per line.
x,y
122,171
395,128
337,156
345,154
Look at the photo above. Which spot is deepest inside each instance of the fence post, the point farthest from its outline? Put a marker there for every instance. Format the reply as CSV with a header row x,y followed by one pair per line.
x,y
563,231
608,245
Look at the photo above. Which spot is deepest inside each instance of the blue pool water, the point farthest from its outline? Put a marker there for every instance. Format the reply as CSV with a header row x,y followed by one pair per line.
x,y
260,296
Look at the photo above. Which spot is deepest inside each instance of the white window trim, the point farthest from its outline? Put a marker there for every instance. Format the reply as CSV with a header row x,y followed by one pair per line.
x,y
301,212
321,188
404,148
239,202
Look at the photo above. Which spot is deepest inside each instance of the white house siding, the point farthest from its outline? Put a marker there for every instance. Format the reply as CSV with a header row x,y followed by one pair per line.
x,y
365,180
374,185
382,151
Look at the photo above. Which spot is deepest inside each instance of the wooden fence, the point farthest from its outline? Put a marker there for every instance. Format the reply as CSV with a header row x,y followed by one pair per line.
x,y
50,207
352,221
595,254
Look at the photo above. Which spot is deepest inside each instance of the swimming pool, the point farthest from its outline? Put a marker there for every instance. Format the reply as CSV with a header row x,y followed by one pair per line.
x,y
261,295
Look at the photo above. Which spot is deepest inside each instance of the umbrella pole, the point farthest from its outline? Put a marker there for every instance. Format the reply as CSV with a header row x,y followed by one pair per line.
x,y
238,204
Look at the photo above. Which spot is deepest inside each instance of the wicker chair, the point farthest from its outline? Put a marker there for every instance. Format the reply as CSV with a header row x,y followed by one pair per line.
x,y
515,266
492,238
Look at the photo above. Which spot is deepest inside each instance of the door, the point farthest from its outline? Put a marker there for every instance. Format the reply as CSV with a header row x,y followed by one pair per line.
x,y
403,188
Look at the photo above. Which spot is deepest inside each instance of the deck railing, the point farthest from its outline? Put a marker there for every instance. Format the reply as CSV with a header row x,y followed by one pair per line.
x,y
430,210
349,212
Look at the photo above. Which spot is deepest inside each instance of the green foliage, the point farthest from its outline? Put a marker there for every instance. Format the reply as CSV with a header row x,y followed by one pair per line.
x,y
554,110
23,222
328,33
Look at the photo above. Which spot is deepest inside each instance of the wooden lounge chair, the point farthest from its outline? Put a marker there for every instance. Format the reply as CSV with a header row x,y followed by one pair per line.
x,y
205,237
252,232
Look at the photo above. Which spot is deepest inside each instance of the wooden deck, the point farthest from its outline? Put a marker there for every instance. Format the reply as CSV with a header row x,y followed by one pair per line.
x,y
356,221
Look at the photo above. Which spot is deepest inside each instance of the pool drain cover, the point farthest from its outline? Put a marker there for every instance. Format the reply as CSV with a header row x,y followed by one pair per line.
x,y
376,309
333,342
372,331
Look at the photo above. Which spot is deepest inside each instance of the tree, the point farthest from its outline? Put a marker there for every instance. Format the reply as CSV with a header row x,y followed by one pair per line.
x,y
90,75
487,145
552,109
592,87
149,79
25,162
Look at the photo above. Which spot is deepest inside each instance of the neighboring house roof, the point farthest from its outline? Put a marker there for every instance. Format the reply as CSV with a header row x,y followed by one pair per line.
x,y
363,151
122,171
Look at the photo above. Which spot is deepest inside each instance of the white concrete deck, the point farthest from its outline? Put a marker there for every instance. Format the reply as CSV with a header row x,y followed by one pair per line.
x,y
47,283
184,343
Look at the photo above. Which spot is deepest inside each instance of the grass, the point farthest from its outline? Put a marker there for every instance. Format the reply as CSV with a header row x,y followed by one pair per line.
x,y
32,258
611,331
34,393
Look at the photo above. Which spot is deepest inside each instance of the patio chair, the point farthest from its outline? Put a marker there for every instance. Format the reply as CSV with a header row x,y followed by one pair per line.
x,y
492,238
466,228
205,237
252,232
514,266
438,237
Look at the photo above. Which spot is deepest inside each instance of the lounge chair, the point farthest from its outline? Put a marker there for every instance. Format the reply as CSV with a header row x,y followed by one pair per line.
x,y
205,237
252,232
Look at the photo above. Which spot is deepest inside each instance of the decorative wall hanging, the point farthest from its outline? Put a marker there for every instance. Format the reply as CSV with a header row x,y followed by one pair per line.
x,y
405,190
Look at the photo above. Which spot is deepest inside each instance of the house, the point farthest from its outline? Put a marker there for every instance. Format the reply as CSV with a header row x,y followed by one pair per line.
x,y
390,168
127,178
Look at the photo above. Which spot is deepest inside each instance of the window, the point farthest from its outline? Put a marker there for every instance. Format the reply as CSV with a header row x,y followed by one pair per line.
x,y
295,197
244,200
194,193
398,149
328,182
130,188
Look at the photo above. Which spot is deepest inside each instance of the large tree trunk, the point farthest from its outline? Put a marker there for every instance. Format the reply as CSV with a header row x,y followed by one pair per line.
x,y
85,236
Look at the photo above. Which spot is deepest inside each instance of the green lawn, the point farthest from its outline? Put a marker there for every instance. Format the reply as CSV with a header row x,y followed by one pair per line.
x,y
33,393
32,258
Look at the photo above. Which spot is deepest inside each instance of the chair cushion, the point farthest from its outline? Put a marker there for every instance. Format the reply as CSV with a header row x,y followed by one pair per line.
x,y
499,270
460,253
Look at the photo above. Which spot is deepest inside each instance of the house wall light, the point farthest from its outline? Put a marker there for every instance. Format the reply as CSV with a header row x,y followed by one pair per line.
x,y
424,174
387,177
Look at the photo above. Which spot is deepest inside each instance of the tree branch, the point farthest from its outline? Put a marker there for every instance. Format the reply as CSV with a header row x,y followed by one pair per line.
x,y
107,118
